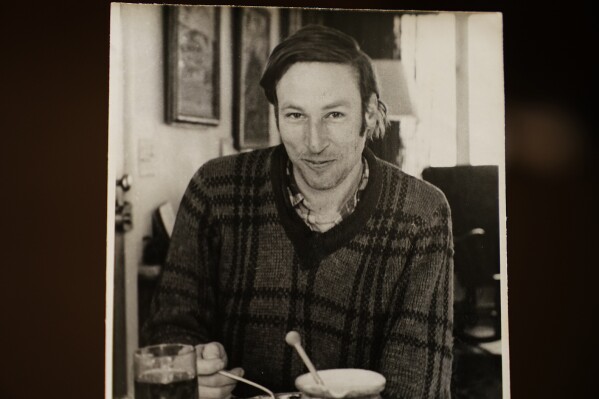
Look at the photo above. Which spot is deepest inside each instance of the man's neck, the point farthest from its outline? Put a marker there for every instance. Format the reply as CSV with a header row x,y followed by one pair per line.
x,y
325,202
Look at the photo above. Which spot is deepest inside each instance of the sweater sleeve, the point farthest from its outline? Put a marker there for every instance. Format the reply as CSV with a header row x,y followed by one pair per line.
x,y
183,307
417,354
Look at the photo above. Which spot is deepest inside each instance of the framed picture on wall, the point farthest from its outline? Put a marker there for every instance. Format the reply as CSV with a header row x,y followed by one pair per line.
x,y
252,48
192,51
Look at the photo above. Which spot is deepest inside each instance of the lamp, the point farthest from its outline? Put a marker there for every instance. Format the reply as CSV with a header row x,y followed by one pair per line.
x,y
394,88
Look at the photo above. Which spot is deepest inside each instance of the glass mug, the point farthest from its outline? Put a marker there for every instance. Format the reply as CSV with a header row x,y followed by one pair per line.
x,y
166,371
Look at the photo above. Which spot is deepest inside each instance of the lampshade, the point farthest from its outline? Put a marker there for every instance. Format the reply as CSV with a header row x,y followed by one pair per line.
x,y
394,87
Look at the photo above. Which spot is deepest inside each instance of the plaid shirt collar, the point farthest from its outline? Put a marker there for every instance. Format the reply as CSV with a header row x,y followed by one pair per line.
x,y
297,200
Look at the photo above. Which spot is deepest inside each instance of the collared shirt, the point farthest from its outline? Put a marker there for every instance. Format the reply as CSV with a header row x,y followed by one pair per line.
x,y
298,201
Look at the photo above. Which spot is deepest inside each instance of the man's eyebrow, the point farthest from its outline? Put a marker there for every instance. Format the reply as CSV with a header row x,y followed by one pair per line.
x,y
289,105
340,103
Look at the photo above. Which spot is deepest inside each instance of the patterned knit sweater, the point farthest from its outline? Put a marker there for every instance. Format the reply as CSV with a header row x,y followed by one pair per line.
x,y
374,292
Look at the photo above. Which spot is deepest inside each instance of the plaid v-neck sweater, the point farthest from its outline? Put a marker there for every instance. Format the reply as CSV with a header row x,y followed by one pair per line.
x,y
374,292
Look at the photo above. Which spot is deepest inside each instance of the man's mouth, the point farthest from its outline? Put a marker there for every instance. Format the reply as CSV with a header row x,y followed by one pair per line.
x,y
318,163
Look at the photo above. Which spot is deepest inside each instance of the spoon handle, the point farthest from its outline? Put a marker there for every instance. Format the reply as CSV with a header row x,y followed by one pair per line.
x,y
241,379
308,362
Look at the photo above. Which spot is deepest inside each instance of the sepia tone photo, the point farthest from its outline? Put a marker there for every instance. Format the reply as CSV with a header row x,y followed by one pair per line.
x,y
305,203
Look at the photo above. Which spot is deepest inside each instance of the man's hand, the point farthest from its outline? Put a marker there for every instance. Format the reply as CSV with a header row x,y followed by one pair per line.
x,y
211,358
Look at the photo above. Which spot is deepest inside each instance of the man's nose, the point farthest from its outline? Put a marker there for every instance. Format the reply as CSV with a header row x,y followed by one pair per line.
x,y
316,136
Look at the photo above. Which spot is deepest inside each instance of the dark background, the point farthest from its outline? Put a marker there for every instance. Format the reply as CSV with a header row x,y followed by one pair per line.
x,y
54,156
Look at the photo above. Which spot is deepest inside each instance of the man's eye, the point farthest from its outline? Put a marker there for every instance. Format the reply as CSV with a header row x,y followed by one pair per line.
x,y
336,115
293,115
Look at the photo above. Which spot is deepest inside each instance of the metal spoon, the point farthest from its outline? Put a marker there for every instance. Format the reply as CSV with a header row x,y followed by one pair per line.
x,y
241,379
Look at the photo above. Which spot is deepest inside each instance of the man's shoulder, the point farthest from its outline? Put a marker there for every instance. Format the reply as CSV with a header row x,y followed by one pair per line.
x,y
252,163
418,196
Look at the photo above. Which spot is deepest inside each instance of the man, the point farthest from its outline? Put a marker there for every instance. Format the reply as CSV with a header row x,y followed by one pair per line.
x,y
315,235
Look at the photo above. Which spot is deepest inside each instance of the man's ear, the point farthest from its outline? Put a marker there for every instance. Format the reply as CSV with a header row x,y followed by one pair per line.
x,y
371,110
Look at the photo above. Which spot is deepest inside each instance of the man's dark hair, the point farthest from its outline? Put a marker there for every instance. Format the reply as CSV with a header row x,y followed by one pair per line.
x,y
317,43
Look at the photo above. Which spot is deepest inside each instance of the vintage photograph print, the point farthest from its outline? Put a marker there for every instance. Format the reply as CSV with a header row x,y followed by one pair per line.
x,y
305,203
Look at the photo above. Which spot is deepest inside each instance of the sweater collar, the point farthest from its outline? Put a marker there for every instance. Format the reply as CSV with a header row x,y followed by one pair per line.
x,y
298,201
312,246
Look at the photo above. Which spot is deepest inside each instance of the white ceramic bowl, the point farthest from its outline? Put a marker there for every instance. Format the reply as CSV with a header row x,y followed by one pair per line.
x,y
342,383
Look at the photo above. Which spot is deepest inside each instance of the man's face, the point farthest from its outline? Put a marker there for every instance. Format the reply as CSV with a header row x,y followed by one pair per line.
x,y
320,118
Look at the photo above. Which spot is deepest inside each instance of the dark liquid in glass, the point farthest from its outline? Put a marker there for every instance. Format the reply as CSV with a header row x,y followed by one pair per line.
x,y
166,384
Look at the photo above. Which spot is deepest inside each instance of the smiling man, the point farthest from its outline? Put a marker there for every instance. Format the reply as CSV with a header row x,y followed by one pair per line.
x,y
315,235
320,121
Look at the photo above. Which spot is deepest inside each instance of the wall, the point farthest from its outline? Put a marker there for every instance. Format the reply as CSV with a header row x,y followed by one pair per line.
x,y
160,158
487,127
428,54
174,152
115,277
454,73
178,150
